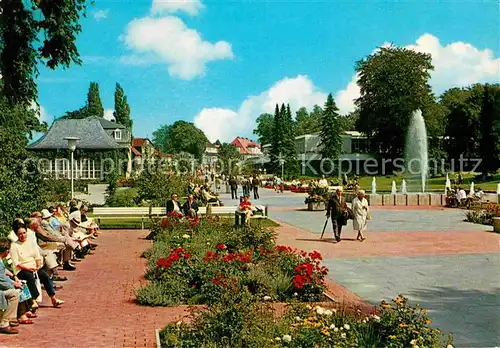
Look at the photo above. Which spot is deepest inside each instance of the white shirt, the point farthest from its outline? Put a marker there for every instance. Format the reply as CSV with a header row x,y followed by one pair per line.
x,y
461,195
323,183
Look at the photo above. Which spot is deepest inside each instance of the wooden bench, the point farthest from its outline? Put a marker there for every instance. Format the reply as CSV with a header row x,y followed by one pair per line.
x,y
148,212
126,213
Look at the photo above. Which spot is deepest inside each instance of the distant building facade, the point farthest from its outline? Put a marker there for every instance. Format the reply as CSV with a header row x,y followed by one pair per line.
x,y
247,148
101,144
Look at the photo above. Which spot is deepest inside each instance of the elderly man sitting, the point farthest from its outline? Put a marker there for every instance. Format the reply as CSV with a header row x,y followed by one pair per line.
x,y
50,239
9,295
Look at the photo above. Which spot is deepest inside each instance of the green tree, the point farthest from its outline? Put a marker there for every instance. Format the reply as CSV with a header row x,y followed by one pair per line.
x,y
289,148
77,114
94,104
265,127
490,130
35,33
277,139
22,188
162,139
331,130
122,109
463,110
349,121
307,123
156,185
228,156
393,83
180,137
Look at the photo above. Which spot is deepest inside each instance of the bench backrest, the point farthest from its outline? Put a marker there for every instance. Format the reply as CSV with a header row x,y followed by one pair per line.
x,y
121,211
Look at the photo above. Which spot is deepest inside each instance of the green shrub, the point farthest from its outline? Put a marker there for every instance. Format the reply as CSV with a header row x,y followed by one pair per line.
x,y
247,324
210,256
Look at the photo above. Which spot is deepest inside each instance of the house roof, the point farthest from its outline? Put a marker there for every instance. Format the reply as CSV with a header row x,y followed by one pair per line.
x,y
139,142
135,152
108,124
244,144
90,131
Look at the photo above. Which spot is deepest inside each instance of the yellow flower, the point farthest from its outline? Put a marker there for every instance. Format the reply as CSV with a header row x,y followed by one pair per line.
x,y
325,332
392,337
428,321
386,305
403,325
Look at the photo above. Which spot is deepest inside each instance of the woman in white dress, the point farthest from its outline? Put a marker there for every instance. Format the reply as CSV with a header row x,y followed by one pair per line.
x,y
360,211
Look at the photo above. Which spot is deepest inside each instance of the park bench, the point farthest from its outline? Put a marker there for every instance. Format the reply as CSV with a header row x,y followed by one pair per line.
x,y
144,213
127,213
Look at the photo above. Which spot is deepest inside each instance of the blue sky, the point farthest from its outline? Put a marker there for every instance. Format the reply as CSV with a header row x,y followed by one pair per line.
x,y
220,64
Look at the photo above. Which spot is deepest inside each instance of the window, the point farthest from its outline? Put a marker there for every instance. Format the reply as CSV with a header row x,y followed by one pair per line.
x,y
118,134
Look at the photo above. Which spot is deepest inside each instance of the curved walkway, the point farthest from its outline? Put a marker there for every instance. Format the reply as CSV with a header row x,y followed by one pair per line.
x,y
99,308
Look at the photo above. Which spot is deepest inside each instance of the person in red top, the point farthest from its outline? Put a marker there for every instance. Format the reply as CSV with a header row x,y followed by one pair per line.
x,y
246,207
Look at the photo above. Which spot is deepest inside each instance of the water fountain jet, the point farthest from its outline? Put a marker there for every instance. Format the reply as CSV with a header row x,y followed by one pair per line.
x,y
394,190
403,187
374,186
416,152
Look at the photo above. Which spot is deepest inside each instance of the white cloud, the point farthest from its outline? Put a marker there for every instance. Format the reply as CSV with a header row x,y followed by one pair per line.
x,y
455,65
43,115
345,97
169,40
191,7
226,124
108,114
100,14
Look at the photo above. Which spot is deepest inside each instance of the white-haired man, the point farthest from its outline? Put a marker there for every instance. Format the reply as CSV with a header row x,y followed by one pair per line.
x,y
335,209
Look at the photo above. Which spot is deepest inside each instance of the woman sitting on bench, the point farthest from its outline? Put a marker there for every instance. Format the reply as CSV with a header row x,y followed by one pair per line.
x,y
207,197
246,208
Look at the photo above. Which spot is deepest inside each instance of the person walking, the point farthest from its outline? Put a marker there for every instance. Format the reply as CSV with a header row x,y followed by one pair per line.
x,y
234,187
360,212
255,185
335,209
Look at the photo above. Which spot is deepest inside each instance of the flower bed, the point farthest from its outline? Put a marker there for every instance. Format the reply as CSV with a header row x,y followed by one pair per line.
x,y
198,261
248,324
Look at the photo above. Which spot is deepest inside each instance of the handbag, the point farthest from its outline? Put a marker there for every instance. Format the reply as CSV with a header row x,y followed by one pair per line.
x,y
25,294
38,286
368,216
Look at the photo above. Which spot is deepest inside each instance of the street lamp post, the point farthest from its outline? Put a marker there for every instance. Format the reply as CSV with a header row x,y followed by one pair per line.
x,y
282,162
72,146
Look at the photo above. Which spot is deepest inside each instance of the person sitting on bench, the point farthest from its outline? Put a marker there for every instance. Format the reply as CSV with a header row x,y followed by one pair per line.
x,y
209,198
246,208
173,205
190,208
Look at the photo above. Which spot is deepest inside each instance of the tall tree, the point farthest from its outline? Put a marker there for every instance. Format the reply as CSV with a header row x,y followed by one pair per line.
x,y
289,148
490,130
277,140
307,123
393,83
94,104
162,139
33,33
463,110
349,121
180,137
122,109
331,131
265,127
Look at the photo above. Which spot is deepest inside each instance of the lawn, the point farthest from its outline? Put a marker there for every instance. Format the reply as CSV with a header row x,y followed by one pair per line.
x,y
135,223
384,183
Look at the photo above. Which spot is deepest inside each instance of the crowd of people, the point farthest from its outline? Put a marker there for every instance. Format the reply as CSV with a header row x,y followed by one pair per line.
x,y
458,197
32,255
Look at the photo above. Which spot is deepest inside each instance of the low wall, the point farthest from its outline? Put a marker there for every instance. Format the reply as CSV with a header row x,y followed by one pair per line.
x,y
496,224
411,199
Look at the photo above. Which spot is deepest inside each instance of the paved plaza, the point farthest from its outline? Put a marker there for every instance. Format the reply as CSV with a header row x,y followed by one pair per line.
x,y
448,266
432,256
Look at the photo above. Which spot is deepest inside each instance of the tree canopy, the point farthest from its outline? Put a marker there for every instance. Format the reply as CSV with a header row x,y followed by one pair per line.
x,y
122,109
307,123
93,106
228,156
264,130
331,131
32,33
393,82
180,137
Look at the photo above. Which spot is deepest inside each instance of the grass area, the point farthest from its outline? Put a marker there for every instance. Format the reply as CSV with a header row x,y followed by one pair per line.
x,y
384,183
135,223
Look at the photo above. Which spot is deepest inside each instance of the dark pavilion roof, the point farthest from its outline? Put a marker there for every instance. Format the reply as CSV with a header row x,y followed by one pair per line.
x,y
90,131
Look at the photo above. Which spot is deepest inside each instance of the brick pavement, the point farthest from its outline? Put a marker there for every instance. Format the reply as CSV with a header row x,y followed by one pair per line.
x,y
99,308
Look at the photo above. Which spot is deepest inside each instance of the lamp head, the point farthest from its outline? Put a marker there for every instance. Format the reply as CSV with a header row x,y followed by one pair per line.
x,y
72,142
